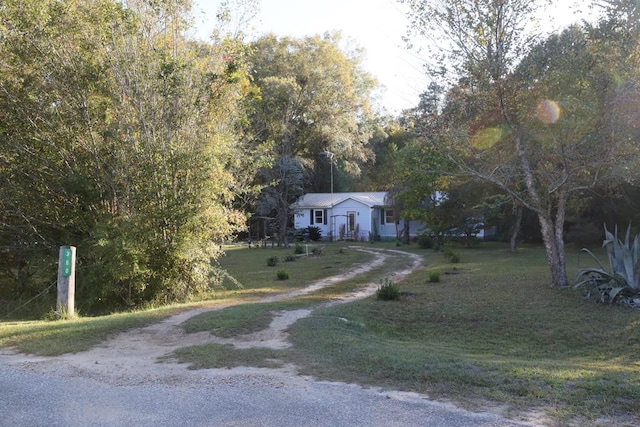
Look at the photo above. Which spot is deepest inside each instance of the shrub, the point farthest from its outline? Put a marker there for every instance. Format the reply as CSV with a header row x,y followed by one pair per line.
x,y
451,256
425,241
301,234
621,283
272,261
283,274
317,250
314,233
290,258
388,290
434,276
299,249
308,233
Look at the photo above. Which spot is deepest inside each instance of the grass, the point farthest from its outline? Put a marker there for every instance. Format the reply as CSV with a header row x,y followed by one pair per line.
x,y
53,338
225,356
491,332
249,267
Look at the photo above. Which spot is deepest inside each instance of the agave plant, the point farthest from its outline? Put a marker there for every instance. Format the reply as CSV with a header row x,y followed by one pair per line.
x,y
622,280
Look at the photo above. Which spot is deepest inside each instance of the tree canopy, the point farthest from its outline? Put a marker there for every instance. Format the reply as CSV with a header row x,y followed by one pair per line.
x,y
144,148
534,118
118,137
313,103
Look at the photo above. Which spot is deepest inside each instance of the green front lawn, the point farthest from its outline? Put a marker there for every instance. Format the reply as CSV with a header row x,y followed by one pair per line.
x,y
491,332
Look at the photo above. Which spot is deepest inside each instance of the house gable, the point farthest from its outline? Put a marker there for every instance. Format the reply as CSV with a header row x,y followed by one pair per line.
x,y
352,216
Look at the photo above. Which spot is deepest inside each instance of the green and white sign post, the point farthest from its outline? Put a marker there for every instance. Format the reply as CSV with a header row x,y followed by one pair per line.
x,y
66,281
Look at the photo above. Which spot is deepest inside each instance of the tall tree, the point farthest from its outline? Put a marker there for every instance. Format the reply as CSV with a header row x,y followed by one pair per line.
x,y
412,183
535,125
124,135
314,100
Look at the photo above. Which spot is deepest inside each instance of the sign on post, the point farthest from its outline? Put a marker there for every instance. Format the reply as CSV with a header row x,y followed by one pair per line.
x,y
66,258
66,281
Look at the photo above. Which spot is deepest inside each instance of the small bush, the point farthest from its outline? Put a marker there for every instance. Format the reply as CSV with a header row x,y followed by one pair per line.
x,y
283,274
301,234
434,276
308,233
272,261
290,258
388,291
314,233
425,241
317,250
451,256
299,249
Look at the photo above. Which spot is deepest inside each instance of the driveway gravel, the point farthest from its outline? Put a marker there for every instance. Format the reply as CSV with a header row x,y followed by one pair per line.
x,y
121,383
227,398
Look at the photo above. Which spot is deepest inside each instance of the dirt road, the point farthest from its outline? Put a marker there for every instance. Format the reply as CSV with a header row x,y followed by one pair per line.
x,y
121,382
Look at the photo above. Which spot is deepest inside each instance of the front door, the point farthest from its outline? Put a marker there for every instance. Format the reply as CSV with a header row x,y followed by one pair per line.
x,y
351,224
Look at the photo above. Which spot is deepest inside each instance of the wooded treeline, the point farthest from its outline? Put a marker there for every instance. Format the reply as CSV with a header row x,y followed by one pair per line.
x,y
146,149
546,121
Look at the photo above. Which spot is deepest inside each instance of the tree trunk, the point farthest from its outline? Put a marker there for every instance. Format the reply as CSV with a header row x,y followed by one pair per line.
x,y
283,218
406,233
515,231
554,246
552,231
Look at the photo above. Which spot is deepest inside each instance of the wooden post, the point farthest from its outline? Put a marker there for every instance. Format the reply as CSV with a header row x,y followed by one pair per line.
x,y
66,281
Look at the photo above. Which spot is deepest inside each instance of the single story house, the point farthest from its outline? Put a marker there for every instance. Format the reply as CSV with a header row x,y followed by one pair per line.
x,y
351,216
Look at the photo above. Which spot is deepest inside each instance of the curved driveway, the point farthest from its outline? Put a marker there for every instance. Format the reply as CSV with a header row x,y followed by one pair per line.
x,y
37,391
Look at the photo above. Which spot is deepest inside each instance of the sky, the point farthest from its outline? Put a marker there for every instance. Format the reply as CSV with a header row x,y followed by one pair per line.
x,y
375,25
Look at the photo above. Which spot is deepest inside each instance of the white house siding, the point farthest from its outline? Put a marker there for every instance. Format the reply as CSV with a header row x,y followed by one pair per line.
x,y
302,219
360,229
368,215
387,231
390,230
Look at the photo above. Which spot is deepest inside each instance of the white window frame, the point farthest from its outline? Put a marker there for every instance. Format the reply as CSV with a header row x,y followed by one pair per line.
x,y
389,217
318,216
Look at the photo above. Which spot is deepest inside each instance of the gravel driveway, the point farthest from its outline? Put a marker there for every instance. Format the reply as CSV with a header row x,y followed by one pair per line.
x,y
120,383
225,399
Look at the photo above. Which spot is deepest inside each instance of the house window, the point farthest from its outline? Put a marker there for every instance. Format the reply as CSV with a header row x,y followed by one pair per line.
x,y
388,217
318,216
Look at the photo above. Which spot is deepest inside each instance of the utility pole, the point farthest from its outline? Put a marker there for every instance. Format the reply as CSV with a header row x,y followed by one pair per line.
x,y
329,155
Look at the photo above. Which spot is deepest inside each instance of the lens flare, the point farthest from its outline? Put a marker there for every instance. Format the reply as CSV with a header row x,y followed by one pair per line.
x,y
548,111
486,138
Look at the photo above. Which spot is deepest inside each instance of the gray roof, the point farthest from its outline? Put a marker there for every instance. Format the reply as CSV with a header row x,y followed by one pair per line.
x,y
328,200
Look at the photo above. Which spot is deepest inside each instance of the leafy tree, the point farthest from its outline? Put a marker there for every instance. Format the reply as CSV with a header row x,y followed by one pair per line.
x,y
536,125
286,187
418,170
476,40
313,99
388,138
122,138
